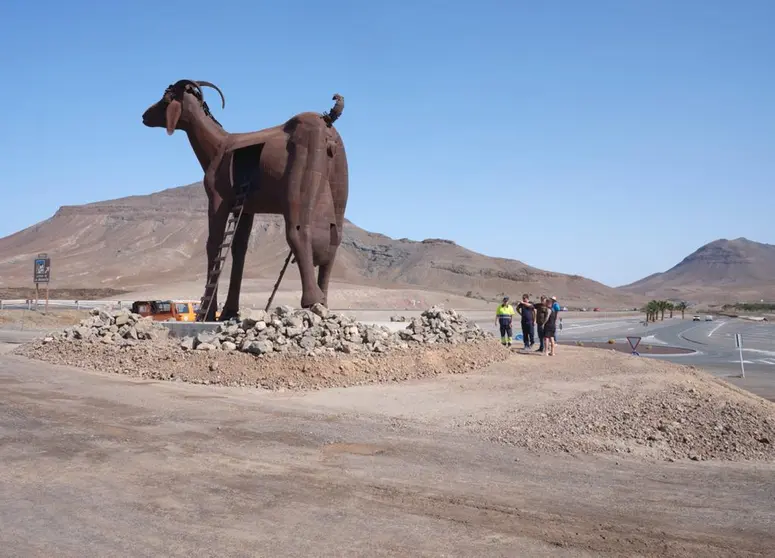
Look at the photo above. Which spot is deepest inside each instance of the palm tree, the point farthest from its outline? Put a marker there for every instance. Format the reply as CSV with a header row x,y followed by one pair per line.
x,y
652,309
662,305
682,307
670,308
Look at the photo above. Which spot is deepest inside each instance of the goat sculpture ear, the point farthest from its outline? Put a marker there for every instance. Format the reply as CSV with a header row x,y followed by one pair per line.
x,y
173,115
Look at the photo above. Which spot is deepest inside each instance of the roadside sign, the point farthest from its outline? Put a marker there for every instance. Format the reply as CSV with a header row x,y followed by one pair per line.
x,y
634,342
42,270
739,345
41,273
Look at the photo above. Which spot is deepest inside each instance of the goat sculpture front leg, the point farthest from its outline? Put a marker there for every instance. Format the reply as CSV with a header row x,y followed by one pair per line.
x,y
239,249
306,161
217,216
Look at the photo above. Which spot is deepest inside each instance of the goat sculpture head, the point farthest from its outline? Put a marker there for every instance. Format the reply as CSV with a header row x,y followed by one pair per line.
x,y
178,103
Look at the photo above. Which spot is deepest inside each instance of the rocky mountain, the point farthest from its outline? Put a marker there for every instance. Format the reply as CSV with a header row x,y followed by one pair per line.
x,y
144,241
721,271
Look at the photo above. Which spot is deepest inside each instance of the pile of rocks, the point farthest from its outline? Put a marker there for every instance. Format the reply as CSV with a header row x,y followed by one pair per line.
x,y
311,332
697,421
121,327
442,326
318,331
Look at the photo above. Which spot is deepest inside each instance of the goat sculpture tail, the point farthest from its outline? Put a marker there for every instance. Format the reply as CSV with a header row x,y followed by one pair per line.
x,y
336,112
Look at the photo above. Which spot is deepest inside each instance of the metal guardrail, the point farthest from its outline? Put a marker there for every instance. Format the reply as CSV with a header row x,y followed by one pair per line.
x,y
23,304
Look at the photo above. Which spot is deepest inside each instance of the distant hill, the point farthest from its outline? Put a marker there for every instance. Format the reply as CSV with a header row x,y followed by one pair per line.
x,y
721,271
144,241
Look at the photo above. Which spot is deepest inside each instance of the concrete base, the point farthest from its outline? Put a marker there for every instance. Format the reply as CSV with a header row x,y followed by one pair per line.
x,y
184,329
392,326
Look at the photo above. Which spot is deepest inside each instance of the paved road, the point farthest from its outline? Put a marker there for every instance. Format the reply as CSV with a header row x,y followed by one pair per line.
x,y
714,343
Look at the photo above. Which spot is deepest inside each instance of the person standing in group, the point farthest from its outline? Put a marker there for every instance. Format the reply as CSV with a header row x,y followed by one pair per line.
x,y
541,314
550,325
503,315
527,311
556,310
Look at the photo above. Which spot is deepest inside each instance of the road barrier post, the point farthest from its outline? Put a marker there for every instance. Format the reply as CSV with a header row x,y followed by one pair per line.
x,y
739,345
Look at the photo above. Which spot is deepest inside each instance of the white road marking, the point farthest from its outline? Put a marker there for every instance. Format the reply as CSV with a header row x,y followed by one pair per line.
x,y
770,353
767,361
652,339
715,329
572,326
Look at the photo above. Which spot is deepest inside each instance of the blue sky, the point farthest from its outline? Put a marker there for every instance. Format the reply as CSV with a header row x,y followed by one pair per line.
x,y
605,138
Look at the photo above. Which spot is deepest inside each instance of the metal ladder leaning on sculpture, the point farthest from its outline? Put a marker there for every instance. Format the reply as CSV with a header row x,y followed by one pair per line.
x,y
228,235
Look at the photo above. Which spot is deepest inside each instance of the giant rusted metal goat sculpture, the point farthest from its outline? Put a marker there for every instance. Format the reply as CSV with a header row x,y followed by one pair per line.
x,y
297,169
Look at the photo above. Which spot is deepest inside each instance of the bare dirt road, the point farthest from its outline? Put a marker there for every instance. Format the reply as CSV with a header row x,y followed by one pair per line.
x,y
97,464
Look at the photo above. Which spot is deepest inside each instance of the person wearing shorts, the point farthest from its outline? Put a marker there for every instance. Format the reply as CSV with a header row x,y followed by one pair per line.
x,y
550,329
558,321
541,314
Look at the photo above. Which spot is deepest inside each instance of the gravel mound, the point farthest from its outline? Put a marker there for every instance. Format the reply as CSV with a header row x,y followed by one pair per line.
x,y
641,407
284,349
311,332
167,361
317,331
673,423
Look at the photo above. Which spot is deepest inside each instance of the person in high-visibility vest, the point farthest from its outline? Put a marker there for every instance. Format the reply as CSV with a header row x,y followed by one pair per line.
x,y
503,318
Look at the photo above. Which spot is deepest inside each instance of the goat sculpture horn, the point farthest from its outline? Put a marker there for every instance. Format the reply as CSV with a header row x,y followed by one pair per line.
x,y
188,82
208,84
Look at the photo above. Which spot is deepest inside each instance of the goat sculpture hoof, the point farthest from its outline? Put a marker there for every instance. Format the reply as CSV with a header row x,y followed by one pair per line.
x,y
229,314
308,300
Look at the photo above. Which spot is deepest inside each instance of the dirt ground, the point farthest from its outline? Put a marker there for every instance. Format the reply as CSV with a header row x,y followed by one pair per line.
x,y
102,464
32,319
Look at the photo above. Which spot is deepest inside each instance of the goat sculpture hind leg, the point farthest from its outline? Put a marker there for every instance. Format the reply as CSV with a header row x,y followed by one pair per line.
x,y
324,271
307,162
338,186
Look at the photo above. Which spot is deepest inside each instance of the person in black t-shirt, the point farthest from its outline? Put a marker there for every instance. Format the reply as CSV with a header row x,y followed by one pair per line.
x,y
527,311
542,312
550,330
